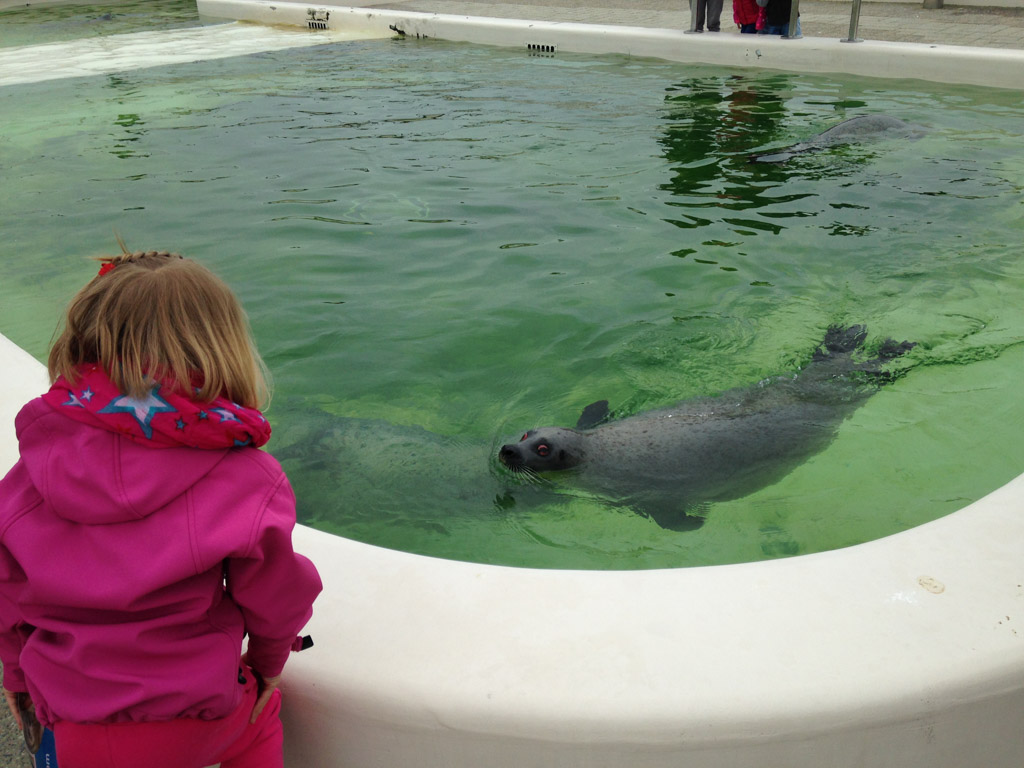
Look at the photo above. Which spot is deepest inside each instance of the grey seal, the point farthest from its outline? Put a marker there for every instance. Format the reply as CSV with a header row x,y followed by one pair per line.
x,y
855,129
669,464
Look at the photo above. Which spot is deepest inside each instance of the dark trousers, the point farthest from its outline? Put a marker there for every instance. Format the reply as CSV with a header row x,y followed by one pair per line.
x,y
712,11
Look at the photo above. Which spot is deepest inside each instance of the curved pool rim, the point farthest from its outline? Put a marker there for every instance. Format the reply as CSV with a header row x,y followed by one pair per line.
x,y
906,651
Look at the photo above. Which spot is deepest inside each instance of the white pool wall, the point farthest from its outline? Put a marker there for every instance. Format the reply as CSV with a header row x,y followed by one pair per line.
x,y
905,652
997,68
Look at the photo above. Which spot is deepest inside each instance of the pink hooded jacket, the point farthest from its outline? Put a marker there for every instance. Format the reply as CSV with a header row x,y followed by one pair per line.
x,y
129,574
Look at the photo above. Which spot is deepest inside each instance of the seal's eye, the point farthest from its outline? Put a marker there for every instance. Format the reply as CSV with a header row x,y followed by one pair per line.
x,y
543,450
525,435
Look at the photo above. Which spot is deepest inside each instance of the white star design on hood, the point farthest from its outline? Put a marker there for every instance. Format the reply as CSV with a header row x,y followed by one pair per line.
x,y
142,409
225,414
73,401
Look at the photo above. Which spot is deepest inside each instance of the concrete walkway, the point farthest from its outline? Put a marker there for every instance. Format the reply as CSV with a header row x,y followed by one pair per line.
x,y
989,27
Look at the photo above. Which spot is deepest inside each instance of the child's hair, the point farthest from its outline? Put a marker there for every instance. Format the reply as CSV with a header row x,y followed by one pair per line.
x,y
154,317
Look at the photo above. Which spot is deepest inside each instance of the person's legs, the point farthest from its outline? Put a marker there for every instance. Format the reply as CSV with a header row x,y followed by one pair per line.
x,y
701,11
715,15
182,743
187,743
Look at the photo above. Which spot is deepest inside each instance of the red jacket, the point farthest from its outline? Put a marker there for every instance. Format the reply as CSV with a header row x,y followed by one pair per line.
x,y
744,11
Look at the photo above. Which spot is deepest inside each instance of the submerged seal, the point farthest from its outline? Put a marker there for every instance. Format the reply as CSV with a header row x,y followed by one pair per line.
x,y
669,463
855,129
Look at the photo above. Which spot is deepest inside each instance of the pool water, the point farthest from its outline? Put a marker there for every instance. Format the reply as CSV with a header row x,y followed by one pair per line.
x,y
442,245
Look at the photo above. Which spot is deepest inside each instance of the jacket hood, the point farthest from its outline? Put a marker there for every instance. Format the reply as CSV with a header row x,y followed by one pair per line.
x,y
99,456
94,476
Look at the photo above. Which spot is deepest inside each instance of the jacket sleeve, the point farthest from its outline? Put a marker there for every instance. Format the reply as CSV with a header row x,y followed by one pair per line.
x,y
273,585
13,631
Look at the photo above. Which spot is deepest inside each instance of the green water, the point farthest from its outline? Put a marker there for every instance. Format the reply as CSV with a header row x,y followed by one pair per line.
x,y
441,246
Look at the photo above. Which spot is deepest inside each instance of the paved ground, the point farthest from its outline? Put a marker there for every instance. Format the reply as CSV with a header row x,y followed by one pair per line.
x,y
898,22
12,748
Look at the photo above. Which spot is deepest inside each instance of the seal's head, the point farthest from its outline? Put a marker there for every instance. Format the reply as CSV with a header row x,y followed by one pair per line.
x,y
544,450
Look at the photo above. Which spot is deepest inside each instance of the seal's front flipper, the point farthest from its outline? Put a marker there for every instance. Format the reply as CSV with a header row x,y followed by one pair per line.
x,y
671,515
680,522
677,520
593,415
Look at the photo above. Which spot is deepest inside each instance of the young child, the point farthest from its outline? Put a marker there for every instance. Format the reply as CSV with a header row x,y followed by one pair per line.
x,y
744,13
143,534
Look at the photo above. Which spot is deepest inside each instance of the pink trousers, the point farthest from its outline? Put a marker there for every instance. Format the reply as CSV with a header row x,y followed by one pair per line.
x,y
187,743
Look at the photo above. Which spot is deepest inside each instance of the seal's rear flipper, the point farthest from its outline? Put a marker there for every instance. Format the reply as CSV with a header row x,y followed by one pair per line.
x,y
839,340
892,349
889,350
593,415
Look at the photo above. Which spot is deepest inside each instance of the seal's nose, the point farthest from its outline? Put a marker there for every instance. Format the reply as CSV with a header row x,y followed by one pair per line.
x,y
508,455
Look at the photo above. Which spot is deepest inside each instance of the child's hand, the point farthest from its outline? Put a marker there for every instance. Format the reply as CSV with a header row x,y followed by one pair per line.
x,y
266,689
24,711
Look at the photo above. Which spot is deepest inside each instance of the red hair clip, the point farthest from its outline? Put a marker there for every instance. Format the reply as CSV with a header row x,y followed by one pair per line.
x,y
107,266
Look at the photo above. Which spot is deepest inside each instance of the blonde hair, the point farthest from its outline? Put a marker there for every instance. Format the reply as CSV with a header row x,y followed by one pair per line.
x,y
154,317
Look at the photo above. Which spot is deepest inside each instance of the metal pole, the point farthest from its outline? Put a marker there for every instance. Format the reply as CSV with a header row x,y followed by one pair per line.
x,y
794,16
854,22
693,19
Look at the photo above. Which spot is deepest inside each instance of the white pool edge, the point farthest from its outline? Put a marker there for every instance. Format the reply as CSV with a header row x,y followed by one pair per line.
x,y
907,651
997,68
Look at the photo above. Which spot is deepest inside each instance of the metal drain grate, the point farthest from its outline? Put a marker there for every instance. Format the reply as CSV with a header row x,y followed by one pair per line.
x,y
317,18
540,48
